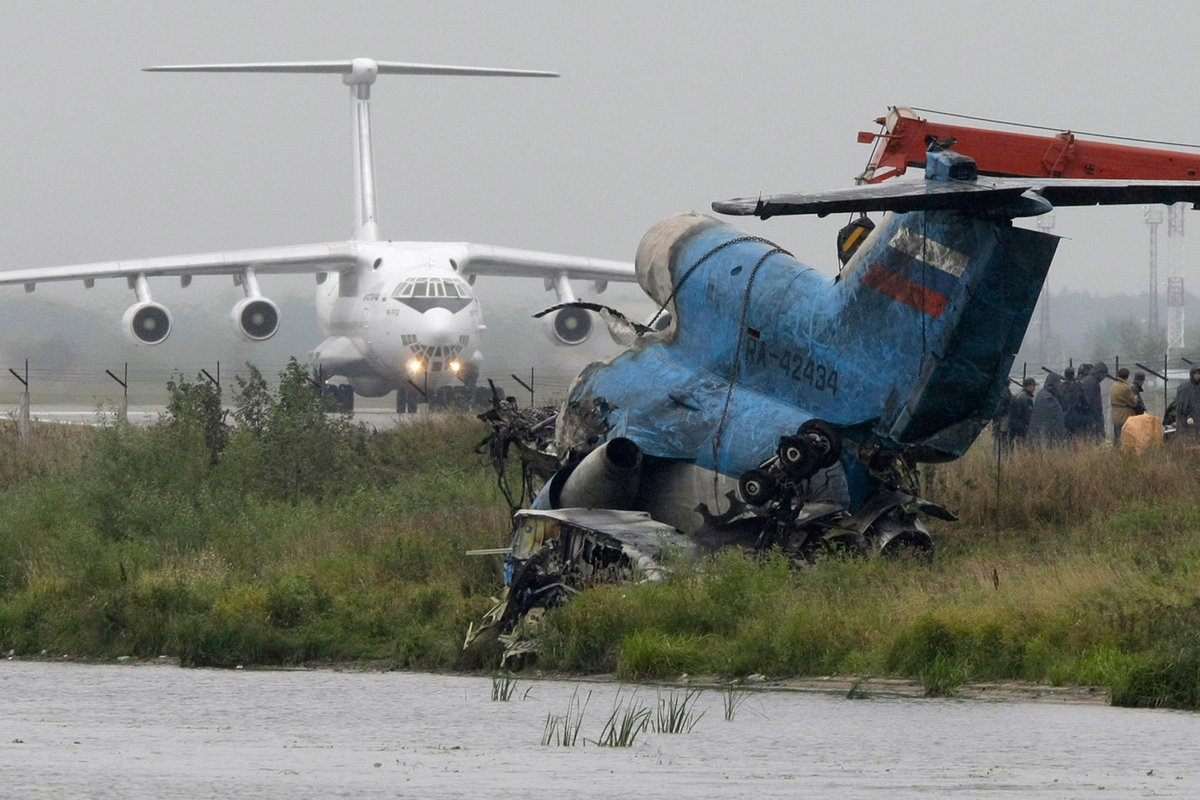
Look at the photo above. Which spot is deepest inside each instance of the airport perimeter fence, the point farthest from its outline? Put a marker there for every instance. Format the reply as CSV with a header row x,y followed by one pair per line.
x,y
102,386
49,387
1164,375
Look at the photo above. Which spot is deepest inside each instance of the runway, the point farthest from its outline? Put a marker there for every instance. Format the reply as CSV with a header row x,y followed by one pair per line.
x,y
378,418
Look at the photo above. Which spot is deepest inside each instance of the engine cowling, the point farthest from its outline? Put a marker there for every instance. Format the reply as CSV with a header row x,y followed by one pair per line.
x,y
147,323
568,327
255,319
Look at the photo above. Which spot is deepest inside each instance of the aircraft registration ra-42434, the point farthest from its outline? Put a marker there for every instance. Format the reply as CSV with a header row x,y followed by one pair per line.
x,y
783,407
394,314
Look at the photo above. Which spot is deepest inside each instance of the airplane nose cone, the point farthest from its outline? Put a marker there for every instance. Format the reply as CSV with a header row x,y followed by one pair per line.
x,y
439,328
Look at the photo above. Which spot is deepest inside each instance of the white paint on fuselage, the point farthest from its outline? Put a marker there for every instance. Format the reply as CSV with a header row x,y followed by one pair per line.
x,y
390,334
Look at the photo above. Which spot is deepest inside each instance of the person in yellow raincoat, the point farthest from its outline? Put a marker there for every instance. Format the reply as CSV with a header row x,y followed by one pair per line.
x,y
1124,403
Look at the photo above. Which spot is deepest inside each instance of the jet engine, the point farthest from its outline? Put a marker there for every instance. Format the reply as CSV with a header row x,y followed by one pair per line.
x,y
147,322
568,327
255,319
608,477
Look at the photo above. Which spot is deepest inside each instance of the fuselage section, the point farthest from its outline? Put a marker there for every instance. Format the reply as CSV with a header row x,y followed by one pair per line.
x,y
406,314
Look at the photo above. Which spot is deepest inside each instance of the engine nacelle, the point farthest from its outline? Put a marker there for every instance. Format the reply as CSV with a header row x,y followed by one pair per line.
x,y
147,322
255,319
608,477
659,321
568,327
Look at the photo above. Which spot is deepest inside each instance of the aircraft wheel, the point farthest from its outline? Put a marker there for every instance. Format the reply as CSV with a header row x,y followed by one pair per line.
x,y
829,445
798,456
757,487
340,395
443,397
406,400
481,397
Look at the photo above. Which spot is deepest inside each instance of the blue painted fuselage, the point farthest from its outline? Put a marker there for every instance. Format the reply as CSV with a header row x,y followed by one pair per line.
x,y
908,350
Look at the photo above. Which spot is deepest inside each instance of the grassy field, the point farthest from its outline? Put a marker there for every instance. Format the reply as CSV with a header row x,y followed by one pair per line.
x,y
316,543
1091,577
309,543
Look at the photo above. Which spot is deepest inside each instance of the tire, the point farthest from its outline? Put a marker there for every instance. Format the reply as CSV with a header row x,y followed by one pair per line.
x,y
831,449
482,398
757,487
340,396
798,457
406,400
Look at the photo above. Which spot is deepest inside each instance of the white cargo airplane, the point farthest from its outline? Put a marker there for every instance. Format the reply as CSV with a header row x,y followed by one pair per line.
x,y
395,314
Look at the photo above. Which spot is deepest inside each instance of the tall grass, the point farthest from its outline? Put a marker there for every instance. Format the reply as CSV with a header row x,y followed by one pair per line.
x,y
119,541
123,541
1092,578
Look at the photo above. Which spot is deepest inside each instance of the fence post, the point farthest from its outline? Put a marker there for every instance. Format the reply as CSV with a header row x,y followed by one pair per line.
x,y
123,401
23,426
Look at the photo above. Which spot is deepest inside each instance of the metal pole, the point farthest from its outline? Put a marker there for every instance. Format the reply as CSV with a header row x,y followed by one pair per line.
x,y
25,426
123,402
426,408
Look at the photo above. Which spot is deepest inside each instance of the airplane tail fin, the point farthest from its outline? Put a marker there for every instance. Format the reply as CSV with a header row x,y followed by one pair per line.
x,y
359,74
944,300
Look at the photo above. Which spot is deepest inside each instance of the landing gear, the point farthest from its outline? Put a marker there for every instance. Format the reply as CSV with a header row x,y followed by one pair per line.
x,y
778,491
407,399
341,396
481,397
457,398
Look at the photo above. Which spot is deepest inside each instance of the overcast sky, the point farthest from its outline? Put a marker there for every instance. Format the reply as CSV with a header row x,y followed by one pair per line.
x,y
662,107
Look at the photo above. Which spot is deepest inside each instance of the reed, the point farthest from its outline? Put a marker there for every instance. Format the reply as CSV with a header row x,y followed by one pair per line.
x,y
563,730
732,698
503,686
676,712
628,720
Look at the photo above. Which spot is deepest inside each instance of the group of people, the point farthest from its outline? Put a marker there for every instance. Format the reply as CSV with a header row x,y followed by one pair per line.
x,y
1070,407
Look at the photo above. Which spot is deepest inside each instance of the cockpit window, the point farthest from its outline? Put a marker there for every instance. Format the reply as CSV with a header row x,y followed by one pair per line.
x,y
423,294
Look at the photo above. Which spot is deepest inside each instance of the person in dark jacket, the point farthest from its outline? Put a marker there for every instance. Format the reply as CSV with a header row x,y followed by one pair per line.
x,y
1093,401
1046,420
1139,384
1019,412
1070,397
1187,406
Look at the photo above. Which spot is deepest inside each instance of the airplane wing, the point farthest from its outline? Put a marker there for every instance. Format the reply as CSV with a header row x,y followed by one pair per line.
x,y
487,260
966,195
296,259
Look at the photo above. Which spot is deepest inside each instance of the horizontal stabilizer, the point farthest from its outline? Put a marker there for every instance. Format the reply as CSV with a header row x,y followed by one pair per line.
x,y
360,64
940,195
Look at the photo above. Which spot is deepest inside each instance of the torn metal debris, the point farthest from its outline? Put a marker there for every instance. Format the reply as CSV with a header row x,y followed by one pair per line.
x,y
556,554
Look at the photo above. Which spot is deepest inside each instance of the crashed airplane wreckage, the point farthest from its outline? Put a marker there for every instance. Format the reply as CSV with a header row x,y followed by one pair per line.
x,y
769,405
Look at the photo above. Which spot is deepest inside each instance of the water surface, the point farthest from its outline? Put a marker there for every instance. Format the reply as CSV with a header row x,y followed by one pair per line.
x,y
157,731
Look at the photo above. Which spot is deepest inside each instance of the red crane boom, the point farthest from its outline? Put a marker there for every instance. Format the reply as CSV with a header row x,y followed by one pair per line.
x,y
1002,153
